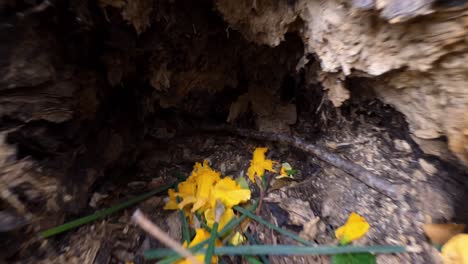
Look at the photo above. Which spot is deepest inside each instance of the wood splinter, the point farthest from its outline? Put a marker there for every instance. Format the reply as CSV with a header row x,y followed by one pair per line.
x,y
139,218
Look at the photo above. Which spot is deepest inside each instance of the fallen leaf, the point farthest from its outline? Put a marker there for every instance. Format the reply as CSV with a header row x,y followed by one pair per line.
x,y
439,234
310,229
299,211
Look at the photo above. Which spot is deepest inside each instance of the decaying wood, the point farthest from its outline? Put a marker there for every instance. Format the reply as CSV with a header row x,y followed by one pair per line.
x,y
375,182
414,53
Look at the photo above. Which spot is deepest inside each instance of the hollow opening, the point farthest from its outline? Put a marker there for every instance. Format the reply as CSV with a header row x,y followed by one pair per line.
x,y
107,106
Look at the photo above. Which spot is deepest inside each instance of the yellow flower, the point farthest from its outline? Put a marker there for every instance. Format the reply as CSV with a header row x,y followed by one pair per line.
x,y
196,190
259,164
205,178
355,228
201,191
200,236
225,218
455,251
172,203
229,192
237,239
187,190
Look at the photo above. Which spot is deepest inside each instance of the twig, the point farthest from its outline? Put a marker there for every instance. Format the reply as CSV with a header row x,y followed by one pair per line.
x,y
383,186
263,192
162,236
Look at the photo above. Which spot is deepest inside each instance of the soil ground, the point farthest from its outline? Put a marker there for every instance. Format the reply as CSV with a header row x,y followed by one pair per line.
x,y
314,203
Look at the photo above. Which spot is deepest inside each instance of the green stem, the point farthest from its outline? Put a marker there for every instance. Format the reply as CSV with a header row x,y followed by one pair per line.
x,y
279,230
211,243
301,250
254,241
102,213
185,227
287,250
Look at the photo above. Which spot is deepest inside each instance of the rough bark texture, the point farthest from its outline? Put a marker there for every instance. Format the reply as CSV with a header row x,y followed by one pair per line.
x,y
413,52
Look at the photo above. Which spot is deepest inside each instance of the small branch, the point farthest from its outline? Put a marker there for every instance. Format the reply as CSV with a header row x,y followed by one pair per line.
x,y
375,182
162,236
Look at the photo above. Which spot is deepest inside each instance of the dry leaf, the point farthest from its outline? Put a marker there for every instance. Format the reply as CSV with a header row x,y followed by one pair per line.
x,y
439,234
310,229
299,210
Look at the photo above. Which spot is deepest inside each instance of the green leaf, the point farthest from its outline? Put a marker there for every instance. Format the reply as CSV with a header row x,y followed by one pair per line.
x,y
211,243
242,182
282,250
252,260
102,213
355,258
291,172
185,227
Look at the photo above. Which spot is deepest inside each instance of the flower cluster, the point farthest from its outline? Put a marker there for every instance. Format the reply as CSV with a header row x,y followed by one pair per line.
x,y
205,190
202,189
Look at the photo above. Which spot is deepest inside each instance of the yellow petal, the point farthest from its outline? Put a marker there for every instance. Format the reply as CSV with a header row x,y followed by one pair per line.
x,y
225,218
172,203
186,201
186,193
205,179
355,228
229,192
455,251
237,239
200,258
283,171
210,217
200,236
259,164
